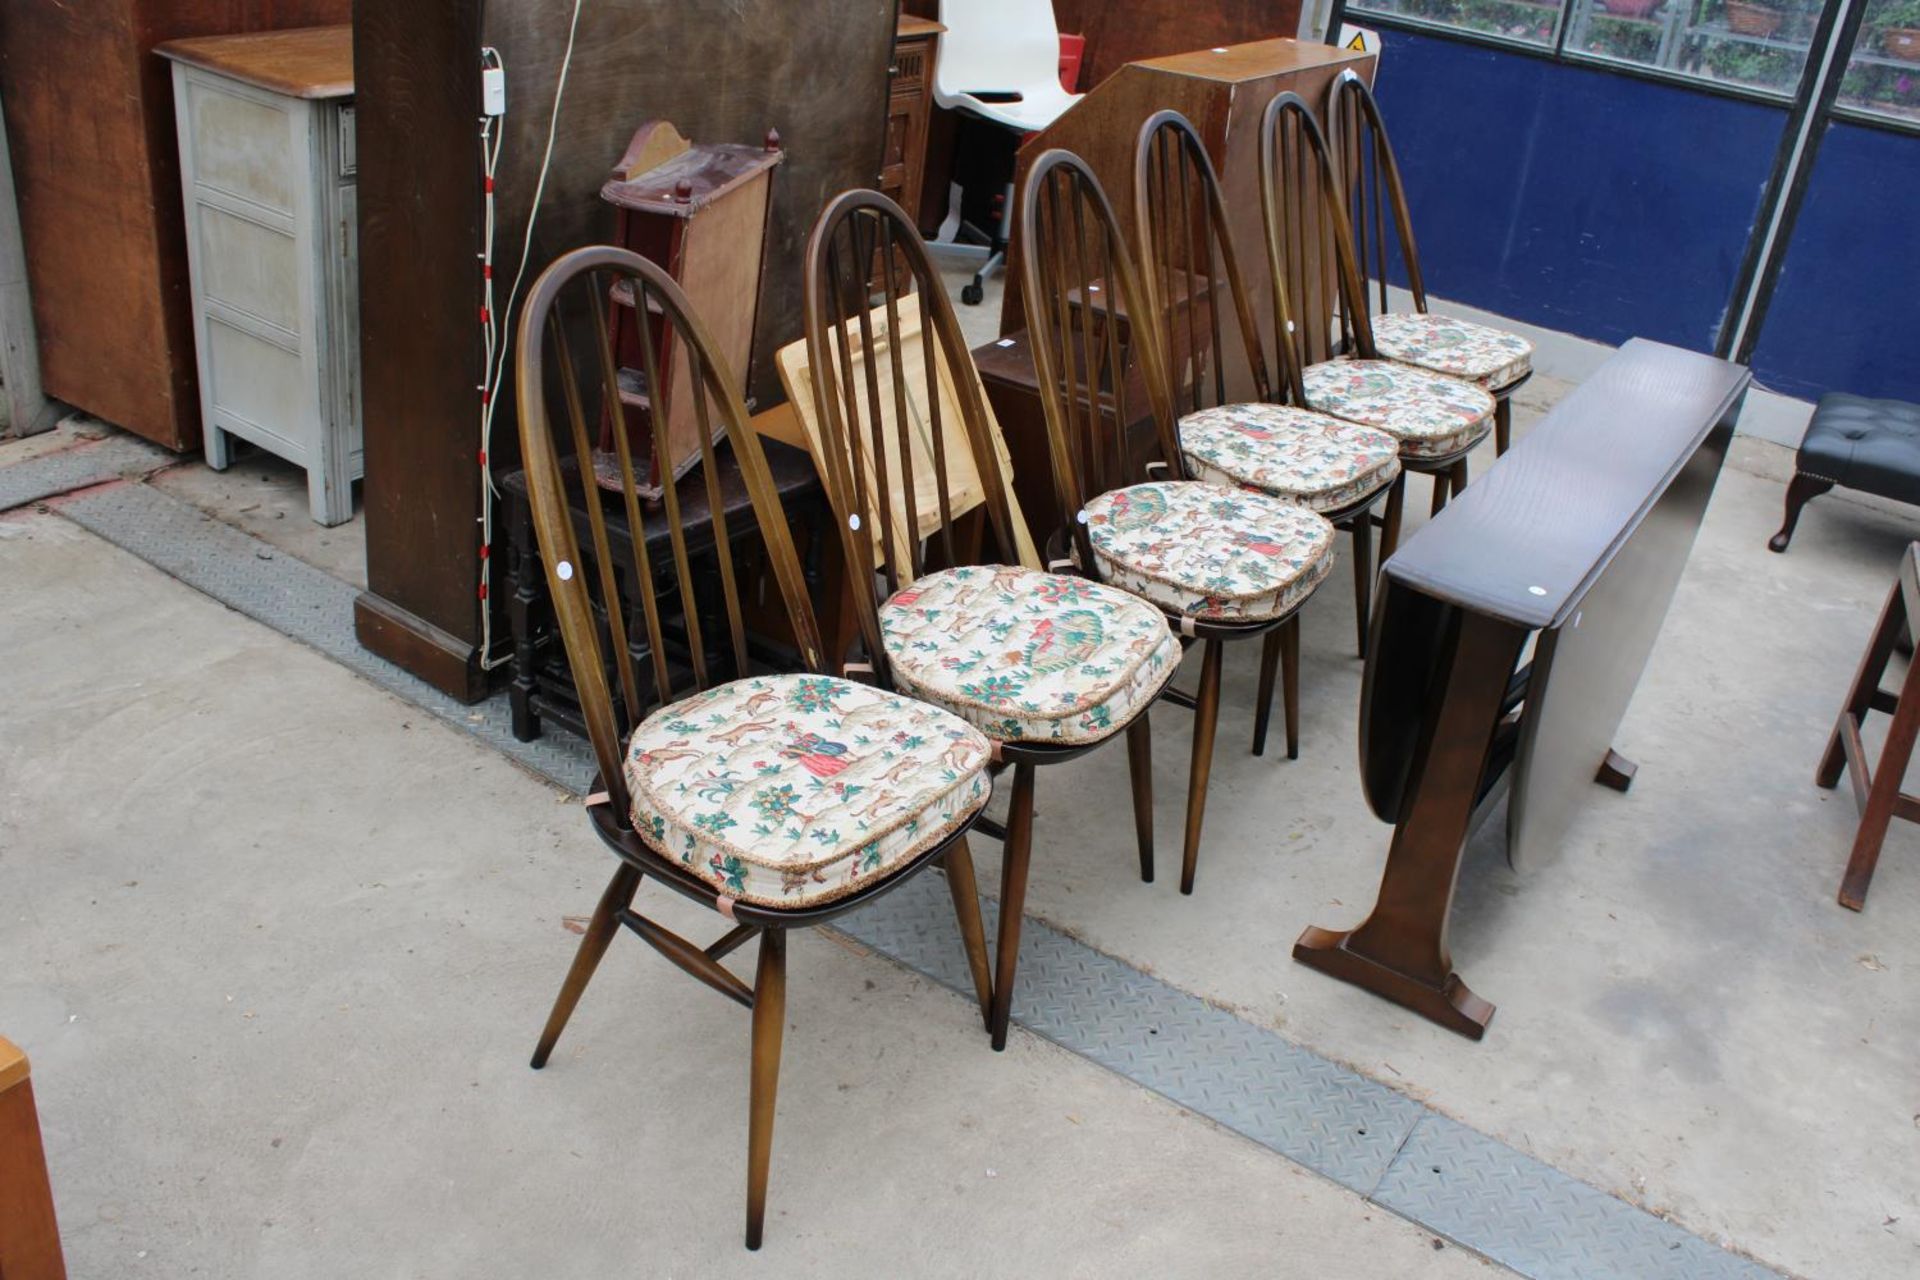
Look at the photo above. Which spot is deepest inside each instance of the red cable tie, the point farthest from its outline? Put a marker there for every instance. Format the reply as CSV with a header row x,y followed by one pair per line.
x,y
483,591
483,457
489,186
485,551
486,396
486,316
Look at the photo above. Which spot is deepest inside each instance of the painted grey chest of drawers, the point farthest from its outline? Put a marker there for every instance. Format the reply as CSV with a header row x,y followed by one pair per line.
x,y
267,166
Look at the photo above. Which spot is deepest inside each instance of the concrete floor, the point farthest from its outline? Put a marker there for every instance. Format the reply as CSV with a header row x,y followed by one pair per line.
x,y
279,944
1685,1018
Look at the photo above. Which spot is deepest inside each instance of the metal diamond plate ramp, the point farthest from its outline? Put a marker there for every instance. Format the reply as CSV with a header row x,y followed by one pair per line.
x,y
1531,1217
94,463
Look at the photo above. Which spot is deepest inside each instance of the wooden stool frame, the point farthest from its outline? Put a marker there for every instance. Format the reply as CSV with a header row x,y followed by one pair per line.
x,y
1310,253
1375,195
1876,788
1184,257
1074,252
590,625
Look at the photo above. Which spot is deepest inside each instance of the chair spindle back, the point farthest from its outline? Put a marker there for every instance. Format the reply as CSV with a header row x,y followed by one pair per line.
x,y
1309,243
608,647
1187,258
1375,199
868,279
1081,290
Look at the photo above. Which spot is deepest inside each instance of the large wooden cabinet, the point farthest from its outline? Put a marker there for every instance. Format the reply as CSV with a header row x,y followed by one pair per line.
x,y
90,120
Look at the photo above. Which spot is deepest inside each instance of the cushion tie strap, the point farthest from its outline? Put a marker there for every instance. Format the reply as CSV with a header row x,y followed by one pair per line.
x,y
1186,627
1056,566
598,798
724,905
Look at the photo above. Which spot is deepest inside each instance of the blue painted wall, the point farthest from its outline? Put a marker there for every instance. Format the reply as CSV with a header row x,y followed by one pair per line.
x,y
1846,313
1579,200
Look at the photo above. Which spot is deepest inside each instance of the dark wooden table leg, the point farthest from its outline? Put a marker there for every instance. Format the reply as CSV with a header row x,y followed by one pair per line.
x,y
1400,951
1616,771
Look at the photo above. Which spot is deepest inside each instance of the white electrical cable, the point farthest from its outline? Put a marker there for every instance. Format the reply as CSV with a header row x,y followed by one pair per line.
x,y
498,341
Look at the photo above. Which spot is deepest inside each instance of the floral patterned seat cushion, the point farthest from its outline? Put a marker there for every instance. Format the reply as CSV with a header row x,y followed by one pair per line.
x,y
1028,656
791,791
1201,551
1479,353
1430,414
1319,462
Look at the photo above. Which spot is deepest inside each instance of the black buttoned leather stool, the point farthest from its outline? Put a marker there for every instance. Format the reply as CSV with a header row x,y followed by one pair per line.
x,y
1856,443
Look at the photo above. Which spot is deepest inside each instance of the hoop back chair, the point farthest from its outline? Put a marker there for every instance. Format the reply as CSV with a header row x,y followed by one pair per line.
x,y
1437,419
1382,222
726,791
1273,444
1049,666
1223,565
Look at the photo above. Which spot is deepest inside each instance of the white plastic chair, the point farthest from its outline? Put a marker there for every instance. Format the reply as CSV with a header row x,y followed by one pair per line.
x,y
998,60
995,48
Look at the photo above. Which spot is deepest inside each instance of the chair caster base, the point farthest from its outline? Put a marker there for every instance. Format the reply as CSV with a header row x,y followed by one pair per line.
x,y
973,294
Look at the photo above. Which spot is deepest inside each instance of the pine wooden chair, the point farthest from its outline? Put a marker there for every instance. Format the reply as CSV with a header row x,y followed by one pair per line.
x,y
1438,420
778,800
1269,443
1047,665
1224,565
1376,205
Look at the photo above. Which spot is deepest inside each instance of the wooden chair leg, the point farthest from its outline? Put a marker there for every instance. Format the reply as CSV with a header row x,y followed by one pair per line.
x,y
1016,854
1390,530
1362,531
1458,477
1263,699
1140,770
769,1020
1442,487
600,930
973,931
1502,425
1800,492
1290,680
1206,715
1866,680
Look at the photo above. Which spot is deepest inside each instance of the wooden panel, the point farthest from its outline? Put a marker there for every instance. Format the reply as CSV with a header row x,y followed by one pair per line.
x,y
417,77
1123,31
100,206
1224,95
310,62
29,1236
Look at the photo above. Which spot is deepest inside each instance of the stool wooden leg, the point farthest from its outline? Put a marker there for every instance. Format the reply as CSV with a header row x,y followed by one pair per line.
x,y
1883,794
1502,425
1016,851
1290,681
1206,715
1804,489
769,1020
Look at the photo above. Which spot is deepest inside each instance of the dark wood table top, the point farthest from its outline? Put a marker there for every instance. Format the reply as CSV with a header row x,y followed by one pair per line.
x,y
1525,541
304,62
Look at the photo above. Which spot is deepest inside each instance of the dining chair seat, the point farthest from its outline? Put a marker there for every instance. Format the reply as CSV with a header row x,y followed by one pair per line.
x,y
1430,414
793,790
1027,656
1488,357
1200,551
1310,459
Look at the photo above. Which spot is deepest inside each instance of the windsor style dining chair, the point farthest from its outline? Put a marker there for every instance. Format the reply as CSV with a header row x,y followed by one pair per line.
x,y
778,800
1224,565
1269,443
1382,223
1049,666
1437,419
